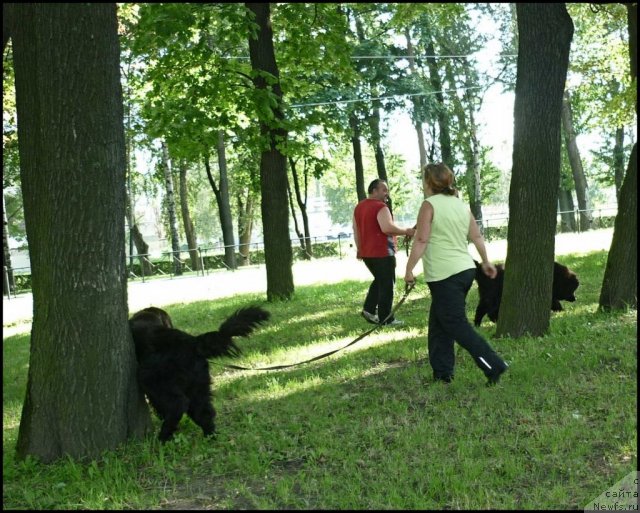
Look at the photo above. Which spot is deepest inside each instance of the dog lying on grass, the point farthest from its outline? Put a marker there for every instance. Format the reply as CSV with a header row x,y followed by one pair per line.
x,y
565,283
173,370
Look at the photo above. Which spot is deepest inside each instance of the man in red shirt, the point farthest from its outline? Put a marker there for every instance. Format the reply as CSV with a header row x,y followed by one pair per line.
x,y
375,234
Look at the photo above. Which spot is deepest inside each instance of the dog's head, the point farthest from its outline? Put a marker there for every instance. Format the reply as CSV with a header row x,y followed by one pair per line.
x,y
151,316
565,283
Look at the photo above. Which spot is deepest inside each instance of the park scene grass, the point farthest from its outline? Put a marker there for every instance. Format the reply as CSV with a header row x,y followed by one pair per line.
x,y
367,428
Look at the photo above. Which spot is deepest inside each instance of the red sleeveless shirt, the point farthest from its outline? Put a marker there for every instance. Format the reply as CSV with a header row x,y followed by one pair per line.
x,y
373,242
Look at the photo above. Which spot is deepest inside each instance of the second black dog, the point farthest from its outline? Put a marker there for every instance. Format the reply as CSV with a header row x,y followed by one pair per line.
x,y
173,367
565,283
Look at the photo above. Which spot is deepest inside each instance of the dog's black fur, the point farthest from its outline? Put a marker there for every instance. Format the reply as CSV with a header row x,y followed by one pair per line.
x,y
565,283
173,370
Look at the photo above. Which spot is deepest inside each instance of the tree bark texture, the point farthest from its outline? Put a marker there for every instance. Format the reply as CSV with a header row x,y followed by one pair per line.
x,y
273,164
82,397
545,32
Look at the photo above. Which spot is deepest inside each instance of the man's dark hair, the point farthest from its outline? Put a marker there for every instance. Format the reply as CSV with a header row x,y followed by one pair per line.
x,y
374,185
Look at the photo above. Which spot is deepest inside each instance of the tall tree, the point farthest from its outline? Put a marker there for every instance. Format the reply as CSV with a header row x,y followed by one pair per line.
x,y
618,161
187,222
273,164
170,202
71,138
9,284
573,152
417,101
545,32
221,192
619,285
361,188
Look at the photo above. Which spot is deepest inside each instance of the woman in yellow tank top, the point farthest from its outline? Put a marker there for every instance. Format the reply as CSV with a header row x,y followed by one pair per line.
x,y
445,224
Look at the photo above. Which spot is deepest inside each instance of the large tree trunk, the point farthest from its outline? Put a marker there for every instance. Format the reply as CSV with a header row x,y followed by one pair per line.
x,y
189,229
620,285
361,190
580,180
545,32
273,165
82,397
171,209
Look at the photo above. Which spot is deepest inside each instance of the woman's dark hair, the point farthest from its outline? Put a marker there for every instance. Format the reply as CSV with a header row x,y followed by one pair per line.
x,y
439,178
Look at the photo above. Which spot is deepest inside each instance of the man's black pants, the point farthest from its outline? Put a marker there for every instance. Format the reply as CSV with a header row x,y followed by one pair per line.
x,y
380,293
448,323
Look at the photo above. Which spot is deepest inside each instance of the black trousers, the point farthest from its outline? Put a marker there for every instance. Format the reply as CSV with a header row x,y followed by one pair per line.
x,y
380,293
448,323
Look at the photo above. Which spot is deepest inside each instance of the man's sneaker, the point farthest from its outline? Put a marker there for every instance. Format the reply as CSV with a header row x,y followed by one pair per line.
x,y
494,377
369,317
395,322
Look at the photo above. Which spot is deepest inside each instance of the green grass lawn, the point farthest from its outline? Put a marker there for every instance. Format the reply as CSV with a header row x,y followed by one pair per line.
x,y
367,428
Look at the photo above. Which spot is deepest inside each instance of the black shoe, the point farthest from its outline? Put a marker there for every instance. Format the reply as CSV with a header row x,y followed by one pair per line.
x,y
494,377
443,379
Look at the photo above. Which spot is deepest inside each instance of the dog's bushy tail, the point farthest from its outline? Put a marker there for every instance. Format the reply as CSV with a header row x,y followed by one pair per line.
x,y
239,324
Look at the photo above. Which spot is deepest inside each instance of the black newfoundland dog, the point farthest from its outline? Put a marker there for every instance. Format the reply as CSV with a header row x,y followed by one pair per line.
x,y
173,370
565,283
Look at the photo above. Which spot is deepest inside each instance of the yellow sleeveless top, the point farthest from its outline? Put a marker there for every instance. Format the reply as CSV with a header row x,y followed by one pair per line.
x,y
447,250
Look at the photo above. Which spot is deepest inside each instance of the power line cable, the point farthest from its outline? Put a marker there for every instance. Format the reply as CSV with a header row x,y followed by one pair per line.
x,y
408,95
395,56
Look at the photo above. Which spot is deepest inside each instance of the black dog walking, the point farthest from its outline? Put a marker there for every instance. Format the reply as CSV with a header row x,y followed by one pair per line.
x,y
173,370
565,283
